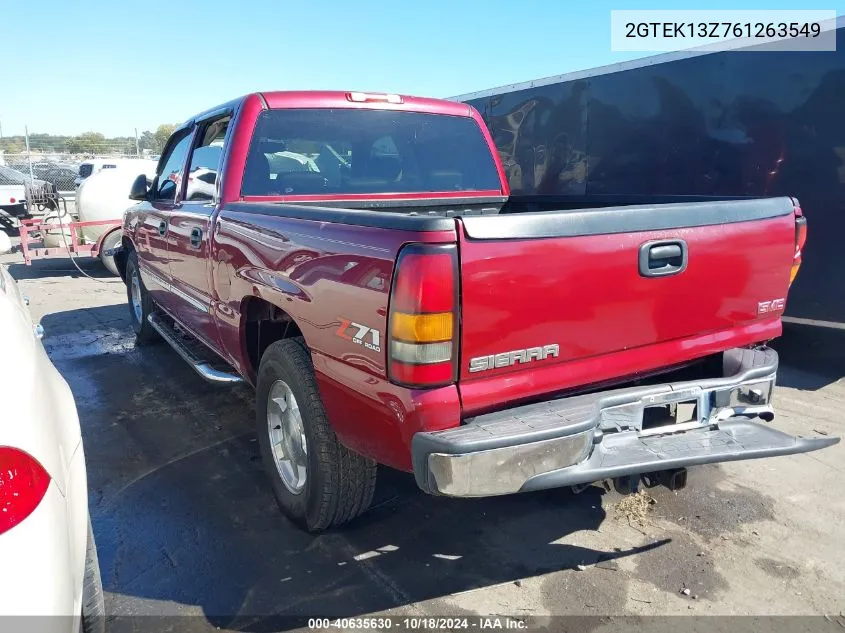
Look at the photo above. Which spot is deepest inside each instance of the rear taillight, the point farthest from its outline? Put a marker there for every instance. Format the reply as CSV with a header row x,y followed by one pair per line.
x,y
23,484
423,320
800,240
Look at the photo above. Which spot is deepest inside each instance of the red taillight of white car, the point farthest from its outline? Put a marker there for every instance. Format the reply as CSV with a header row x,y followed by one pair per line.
x,y
23,484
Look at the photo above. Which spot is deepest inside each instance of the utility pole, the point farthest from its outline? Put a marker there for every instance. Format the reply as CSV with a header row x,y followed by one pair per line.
x,y
137,147
28,155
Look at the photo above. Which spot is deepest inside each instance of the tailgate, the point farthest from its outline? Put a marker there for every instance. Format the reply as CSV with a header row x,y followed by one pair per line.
x,y
544,289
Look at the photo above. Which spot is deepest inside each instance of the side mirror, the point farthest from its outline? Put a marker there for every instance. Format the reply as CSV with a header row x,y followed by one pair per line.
x,y
139,188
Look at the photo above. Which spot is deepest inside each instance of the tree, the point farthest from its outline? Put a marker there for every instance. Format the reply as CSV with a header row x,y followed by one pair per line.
x,y
47,142
147,140
122,144
87,143
13,145
163,133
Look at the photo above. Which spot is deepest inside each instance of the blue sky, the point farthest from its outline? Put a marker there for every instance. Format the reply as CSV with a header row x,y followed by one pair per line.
x,y
112,66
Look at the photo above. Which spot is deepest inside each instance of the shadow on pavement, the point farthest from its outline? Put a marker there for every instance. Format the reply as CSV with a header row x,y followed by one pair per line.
x,y
59,267
205,531
184,515
811,357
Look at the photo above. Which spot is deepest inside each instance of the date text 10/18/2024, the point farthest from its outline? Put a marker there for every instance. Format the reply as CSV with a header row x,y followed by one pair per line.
x,y
421,623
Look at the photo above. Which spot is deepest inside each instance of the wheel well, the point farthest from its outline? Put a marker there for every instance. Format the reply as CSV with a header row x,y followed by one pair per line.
x,y
122,255
263,324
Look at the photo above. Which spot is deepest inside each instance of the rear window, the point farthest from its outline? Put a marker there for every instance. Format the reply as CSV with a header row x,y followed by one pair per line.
x,y
345,151
85,170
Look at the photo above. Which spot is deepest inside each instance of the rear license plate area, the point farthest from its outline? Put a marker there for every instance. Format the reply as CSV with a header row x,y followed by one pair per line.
x,y
670,414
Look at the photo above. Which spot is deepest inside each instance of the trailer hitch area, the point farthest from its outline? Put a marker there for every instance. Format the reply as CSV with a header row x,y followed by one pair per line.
x,y
111,252
627,485
673,479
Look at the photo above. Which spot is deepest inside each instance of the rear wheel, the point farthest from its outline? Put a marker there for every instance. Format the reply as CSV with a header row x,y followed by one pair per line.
x,y
110,241
140,303
318,482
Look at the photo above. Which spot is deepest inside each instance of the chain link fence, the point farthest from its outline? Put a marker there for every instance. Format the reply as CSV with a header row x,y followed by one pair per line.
x,y
60,169
40,173
56,159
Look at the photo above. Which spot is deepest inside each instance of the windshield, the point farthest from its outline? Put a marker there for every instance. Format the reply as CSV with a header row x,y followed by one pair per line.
x,y
345,151
9,176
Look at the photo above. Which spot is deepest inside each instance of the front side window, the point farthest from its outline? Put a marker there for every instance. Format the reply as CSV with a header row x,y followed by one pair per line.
x,y
169,177
351,151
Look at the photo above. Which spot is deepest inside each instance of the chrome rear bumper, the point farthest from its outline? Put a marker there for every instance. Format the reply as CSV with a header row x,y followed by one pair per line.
x,y
587,438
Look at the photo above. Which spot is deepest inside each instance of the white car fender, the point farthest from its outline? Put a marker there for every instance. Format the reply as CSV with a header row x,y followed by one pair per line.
x,y
37,409
38,415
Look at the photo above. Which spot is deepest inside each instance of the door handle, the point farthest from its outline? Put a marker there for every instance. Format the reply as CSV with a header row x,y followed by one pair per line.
x,y
196,237
660,258
162,228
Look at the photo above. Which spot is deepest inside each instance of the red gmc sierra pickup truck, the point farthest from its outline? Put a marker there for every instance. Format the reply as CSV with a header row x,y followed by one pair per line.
x,y
356,259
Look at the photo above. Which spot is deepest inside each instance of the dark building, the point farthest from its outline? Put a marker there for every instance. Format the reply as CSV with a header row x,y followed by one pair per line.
x,y
723,124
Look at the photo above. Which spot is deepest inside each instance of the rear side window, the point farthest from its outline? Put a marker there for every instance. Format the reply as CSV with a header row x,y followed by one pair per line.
x,y
85,170
205,161
346,151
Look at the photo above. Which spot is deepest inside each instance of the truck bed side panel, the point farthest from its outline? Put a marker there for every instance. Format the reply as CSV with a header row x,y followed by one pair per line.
x,y
319,273
327,277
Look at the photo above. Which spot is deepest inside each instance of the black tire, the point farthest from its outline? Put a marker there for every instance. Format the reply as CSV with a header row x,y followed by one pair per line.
x,y
339,484
110,241
93,618
144,332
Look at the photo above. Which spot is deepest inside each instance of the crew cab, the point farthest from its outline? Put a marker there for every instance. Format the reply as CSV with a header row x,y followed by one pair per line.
x,y
360,263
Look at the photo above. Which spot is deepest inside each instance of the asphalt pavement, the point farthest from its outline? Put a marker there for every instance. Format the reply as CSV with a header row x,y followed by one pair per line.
x,y
186,524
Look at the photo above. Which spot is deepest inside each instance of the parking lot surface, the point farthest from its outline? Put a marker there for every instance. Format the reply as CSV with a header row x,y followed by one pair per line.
x,y
186,523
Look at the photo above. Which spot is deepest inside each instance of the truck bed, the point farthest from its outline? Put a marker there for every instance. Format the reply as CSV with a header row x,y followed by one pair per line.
x,y
581,279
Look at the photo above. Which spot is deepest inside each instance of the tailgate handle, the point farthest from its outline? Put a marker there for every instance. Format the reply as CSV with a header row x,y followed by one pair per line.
x,y
660,258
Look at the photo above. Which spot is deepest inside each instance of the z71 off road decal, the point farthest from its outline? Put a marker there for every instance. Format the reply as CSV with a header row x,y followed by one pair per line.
x,y
359,334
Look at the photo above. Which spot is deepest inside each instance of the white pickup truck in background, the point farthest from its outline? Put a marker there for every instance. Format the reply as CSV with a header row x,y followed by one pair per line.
x,y
13,192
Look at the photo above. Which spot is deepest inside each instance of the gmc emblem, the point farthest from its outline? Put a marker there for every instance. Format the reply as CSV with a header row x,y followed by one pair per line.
x,y
775,305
